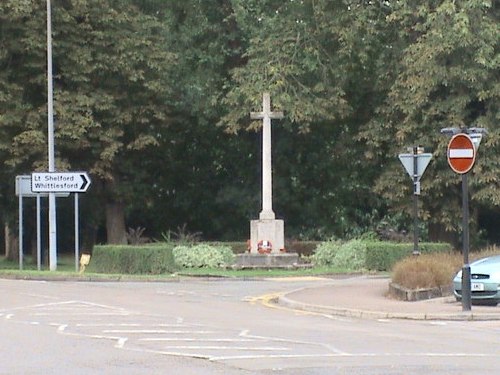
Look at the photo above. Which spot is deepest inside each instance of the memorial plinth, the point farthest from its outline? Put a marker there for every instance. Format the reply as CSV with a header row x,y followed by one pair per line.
x,y
259,261
267,230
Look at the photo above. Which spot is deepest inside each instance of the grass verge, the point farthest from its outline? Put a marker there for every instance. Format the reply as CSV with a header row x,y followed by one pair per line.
x,y
66,270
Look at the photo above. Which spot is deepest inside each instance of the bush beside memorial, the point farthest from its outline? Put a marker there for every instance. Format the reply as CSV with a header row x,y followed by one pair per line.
x,y
369,255
152,259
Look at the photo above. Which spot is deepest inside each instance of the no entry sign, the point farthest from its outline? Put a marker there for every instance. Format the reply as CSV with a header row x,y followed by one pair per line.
x,y
461,153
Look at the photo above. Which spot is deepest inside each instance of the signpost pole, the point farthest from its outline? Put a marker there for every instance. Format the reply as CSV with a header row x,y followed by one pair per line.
x,y
416,191
466,276
461,153
21,231
50,137
77,233
415,165
38,236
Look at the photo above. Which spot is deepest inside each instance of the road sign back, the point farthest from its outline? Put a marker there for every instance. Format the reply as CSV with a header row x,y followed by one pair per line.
x,y
422,163
461,153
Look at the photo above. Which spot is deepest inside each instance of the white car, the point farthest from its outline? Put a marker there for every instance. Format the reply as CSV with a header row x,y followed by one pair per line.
x,y
485,281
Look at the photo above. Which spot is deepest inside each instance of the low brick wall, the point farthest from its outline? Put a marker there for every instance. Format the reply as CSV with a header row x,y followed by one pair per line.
x,y
404,294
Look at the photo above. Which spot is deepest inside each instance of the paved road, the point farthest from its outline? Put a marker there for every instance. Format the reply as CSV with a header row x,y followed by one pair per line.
x,y
220,327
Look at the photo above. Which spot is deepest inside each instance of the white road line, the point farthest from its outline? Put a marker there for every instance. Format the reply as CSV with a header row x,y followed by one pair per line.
x,y
274,356
62,327
188,339
245,333
354,355
212,347
84,314
121,342
156,331
107,325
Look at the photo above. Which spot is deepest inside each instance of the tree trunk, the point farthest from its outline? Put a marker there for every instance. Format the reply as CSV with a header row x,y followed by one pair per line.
x,y
11,244
115,223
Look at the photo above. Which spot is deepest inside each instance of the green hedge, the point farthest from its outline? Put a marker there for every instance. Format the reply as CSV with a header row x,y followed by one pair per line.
x,y
133,259
382,255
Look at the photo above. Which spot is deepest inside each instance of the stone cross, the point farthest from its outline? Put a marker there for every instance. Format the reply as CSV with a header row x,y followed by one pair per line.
x,y
266,115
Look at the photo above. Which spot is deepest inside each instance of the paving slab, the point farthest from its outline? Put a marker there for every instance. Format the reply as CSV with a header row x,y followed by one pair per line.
x,y
367,297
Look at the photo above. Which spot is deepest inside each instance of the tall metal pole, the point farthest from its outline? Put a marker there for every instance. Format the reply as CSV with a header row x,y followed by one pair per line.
x,y
466,277
38,235
20,230
77,233
415,200
50,137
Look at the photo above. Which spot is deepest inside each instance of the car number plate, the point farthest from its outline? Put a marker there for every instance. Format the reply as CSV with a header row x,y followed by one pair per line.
x,y
477,287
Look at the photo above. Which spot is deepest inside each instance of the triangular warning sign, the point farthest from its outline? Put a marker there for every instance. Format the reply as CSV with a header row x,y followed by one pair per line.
x,y
423,161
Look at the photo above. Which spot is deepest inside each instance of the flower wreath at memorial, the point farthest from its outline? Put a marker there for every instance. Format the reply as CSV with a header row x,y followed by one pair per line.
x,y
264,247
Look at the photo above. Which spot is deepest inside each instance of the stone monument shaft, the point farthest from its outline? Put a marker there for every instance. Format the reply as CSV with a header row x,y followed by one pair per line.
x,y
266,115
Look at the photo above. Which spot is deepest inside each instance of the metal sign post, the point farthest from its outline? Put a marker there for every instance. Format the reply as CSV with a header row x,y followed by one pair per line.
x,y
415,164
461,155
24,190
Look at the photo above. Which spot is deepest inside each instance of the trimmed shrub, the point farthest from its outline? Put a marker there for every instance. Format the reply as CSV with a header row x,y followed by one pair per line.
x,y
203,255
325,253
351,255
382,255
372,255
426,270
130,259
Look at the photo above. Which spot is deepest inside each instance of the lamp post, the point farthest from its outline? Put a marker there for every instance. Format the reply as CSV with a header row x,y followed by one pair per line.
x,y
474,135
50,138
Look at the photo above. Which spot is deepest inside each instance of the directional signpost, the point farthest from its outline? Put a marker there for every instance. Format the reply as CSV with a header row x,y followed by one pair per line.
x,y
60,182
23,190
55,183
415,164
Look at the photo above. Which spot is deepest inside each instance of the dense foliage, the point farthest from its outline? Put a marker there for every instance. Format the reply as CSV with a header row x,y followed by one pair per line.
x,y
141,259
203,256
360,254
152,98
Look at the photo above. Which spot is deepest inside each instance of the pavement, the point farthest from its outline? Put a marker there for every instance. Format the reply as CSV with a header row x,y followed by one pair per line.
x,y
367,297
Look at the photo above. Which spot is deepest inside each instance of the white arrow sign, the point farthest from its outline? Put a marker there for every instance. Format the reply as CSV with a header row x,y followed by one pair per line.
x,y
59,182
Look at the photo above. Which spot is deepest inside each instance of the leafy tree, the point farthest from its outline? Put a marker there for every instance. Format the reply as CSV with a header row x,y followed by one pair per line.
x,y
111,84
204,178
447,76
321,61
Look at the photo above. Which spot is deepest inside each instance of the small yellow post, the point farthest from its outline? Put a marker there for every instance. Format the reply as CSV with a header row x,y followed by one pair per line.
x,y
84,261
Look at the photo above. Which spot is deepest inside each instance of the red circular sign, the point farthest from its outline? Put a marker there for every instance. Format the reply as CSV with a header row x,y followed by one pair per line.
x,y
461,153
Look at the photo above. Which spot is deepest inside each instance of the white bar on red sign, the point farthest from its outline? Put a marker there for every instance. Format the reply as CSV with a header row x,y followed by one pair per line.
x,y
461,153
